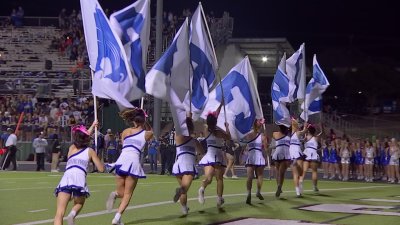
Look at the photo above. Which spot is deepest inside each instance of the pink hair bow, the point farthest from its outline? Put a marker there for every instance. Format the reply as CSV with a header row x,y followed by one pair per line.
x,y
215,114
80,128
144,112
261,121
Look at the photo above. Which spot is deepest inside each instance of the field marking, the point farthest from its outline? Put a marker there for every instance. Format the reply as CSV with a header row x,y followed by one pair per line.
x,y
103,212
38,210
351,209
94,185
379,200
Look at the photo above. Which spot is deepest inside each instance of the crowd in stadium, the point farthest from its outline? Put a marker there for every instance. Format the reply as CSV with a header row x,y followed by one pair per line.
x,y
50,116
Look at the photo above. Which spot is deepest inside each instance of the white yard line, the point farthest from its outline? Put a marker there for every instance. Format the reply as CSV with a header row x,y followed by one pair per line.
x,y
38,210
103,212
379,200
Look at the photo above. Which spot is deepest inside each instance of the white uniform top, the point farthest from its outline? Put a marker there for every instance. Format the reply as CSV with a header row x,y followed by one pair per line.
x,y
255,144
295,147
345,153
188,147
214,143
185,162
79,160
134,142
11,140
311,147
282,149
214,153
255,153
369,152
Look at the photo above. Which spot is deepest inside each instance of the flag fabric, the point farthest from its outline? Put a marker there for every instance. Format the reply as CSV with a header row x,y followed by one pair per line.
x,y
203,60
280,94
112,78
315,88
170,76
240,99
132,24
296,71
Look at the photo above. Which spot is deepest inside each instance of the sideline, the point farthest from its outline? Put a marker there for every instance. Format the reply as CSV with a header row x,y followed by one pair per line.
x,y
103,212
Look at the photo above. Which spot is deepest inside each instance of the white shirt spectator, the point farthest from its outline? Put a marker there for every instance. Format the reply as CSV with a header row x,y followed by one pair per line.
x,y
43,120
53,113
40,144
77,115
11,140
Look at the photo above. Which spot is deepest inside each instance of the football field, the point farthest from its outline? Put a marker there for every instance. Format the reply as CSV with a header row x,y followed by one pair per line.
x,y
27,198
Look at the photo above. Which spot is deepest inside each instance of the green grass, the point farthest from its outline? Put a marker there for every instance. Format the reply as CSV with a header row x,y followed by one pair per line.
x,y
21,192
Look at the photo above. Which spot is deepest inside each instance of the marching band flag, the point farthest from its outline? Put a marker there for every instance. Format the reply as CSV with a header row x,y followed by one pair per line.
x,y
112,78
132,24
240,98
280,94
315,88
204,62
171,72
170,76
296,71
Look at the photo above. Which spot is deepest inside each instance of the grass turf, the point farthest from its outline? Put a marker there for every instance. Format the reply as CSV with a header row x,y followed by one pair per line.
x,y
28,197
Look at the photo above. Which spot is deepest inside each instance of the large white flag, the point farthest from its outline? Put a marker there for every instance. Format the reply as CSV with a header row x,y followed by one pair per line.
x,y
170,76
112,78
203,59
240,97
132,24
315,88
296,71
280,94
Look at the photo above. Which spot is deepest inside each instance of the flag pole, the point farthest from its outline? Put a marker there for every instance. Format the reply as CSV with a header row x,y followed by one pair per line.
x,y
142,102
190,69
95,114
215,56
303,68
209,34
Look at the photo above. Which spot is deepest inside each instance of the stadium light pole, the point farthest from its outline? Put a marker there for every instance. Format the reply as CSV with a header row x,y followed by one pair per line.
x,y
158,102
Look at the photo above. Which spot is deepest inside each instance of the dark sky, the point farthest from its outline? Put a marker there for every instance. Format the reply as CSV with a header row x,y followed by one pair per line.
x,y
322,24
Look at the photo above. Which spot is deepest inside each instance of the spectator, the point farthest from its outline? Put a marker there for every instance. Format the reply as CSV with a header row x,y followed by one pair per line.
x,y
62,19
13,17
153,146
11,146
19,17
40,144
55,152
112,151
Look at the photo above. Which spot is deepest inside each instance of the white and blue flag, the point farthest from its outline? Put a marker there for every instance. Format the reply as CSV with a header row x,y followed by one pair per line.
x,y
315,88
132,24
204,62
112,78
280,94
296,71
170,76
240,98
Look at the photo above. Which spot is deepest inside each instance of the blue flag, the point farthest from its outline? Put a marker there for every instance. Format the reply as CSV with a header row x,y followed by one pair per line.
x,y
203,60
112,78
240,98
132,24
315,88
280,94
296,72
170,76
